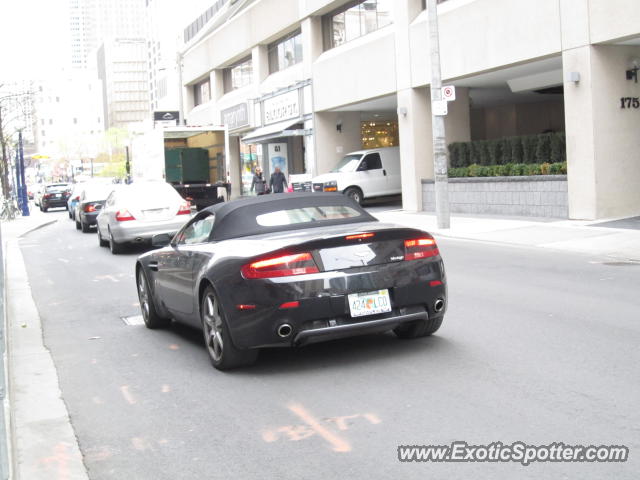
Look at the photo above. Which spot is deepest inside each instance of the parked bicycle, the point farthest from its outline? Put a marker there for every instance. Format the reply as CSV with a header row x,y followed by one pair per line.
x,y
9,209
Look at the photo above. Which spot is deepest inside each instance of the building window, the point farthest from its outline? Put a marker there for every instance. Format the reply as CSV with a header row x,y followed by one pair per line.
x,y
286,52
201,92
238,75
379,134
354,20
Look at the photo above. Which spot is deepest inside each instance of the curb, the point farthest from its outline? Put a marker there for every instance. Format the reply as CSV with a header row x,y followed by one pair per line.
x,y
37,227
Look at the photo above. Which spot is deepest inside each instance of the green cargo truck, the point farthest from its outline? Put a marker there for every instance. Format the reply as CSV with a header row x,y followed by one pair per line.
x,y
192,159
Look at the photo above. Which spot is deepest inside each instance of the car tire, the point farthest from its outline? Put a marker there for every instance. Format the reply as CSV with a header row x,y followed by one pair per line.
x,y
101,241
354,193
420,328
114,246
222,352
152,319
69,212
44,209
86,228
78,226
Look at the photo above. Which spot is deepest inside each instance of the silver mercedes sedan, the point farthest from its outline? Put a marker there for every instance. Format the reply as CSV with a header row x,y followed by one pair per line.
x,y
135,213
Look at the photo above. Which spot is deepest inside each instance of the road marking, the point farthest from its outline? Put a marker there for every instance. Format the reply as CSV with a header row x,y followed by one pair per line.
x,y
97,400
166,388
60,458
311,426
124,389
337,443
173,346
133,320
63,260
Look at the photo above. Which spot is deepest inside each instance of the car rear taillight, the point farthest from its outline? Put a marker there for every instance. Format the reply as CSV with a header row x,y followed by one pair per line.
x,y
185,209
124,216
47,195
77,199
89,208
281,266
420,248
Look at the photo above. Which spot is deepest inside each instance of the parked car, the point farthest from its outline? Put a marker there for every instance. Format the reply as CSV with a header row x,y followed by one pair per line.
x,y
73,199
91,200
54,195
364,174
287,270
135,213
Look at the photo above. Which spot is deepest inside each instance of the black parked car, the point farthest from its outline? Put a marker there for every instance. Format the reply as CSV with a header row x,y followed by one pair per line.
x,y
54,195
90,202
285,270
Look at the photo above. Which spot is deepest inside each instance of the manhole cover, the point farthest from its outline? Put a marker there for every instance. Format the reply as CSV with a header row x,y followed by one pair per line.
x,y
133,320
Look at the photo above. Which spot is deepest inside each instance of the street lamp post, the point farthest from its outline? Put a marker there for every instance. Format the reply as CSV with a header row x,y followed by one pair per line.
x,y
22,186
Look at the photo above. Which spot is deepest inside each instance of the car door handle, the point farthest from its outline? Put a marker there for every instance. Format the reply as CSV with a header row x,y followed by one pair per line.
x,y
153,266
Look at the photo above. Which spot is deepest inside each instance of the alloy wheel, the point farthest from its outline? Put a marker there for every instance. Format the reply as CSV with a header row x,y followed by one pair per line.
x,y
143,295
212,322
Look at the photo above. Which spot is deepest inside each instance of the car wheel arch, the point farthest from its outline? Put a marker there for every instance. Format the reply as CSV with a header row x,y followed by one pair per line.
x,y
151,285
354,187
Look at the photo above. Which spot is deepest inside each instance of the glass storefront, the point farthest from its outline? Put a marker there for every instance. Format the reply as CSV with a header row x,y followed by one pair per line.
x,y
250,158
380,134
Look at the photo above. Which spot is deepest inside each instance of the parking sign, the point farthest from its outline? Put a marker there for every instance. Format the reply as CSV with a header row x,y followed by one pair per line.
x,y
449,93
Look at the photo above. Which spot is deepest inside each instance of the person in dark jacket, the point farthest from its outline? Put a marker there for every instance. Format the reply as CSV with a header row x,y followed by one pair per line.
x,y
278,182
258,183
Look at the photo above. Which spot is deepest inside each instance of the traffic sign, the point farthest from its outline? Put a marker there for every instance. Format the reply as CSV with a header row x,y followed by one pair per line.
x,y
439,107
449,93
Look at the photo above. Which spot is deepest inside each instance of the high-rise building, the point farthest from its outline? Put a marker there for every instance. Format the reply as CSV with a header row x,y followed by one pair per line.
x,y
122,68
91,22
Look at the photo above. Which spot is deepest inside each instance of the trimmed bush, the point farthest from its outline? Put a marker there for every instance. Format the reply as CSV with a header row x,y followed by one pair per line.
x,y
557,148
529,146
543,148
508,170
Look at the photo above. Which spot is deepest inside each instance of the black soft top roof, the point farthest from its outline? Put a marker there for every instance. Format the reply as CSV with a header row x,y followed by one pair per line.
x,y
237,218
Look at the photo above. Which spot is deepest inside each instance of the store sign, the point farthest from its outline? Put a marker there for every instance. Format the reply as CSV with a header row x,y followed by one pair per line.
x,y
166,119
281,107
236,116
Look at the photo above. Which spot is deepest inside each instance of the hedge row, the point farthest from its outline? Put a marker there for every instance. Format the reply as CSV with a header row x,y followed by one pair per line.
x,y
510,169
528,149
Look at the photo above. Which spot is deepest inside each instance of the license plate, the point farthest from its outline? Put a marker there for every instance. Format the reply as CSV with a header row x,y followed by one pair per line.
x,y
369,303
155,214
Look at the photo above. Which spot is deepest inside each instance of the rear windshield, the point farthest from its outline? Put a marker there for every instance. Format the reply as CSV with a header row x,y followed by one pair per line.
x,y
306,215
57,188
98,192
147,191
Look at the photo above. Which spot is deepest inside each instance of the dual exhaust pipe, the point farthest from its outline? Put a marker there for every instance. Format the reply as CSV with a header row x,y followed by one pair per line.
x,y
285,330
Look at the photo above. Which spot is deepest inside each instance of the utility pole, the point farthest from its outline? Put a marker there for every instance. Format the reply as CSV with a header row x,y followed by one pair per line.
x,y
180,89
437,123
22,187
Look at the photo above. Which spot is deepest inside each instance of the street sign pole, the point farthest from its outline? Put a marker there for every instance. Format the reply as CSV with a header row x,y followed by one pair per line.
x,y
437,124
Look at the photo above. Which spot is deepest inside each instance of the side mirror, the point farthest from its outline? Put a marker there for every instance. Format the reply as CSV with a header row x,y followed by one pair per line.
x,y
161,240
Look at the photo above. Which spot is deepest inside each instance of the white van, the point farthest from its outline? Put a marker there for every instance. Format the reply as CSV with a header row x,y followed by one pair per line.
x,y
364,174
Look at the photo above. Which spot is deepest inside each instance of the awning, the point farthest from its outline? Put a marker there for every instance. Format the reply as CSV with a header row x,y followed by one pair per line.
x,y
276,130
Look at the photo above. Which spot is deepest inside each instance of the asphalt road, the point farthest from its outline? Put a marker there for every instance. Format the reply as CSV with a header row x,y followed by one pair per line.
x,y
537,346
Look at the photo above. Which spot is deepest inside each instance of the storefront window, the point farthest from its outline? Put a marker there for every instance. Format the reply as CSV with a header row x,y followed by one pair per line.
x,y
380,134
358,20
201,92
250,158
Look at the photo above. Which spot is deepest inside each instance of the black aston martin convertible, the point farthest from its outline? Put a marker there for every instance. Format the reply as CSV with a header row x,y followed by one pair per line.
x,y
291,269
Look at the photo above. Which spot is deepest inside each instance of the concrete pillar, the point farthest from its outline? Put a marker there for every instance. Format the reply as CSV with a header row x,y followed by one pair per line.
x,y
312,46
336,134
416,149
216,80
260,63
457,123
234,166
602,137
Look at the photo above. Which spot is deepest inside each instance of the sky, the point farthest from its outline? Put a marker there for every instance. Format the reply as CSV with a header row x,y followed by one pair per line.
x,y
33,38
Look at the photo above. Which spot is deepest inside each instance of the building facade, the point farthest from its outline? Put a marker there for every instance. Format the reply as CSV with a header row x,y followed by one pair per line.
x,y
302,82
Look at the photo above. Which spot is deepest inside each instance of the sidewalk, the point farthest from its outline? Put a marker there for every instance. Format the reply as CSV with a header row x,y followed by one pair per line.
x,y
568,235
42,442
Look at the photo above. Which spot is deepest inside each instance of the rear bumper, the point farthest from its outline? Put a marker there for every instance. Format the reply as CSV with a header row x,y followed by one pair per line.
x,y
323,311
54,203
136,231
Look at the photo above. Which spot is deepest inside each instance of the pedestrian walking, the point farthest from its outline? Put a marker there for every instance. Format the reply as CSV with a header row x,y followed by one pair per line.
x,y
278,182
259,184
